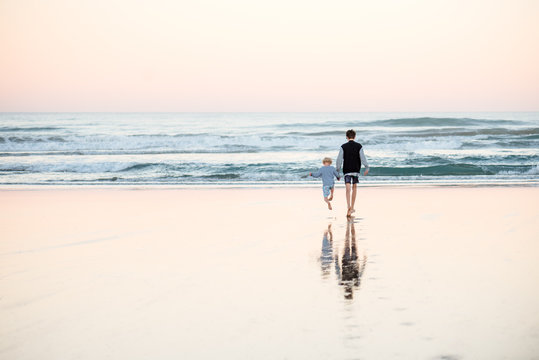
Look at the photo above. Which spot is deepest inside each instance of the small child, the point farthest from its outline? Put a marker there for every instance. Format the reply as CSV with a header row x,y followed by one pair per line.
x,y
327,172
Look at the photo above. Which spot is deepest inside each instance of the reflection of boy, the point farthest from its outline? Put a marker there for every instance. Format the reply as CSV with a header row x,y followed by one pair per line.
x,y
326,258
350,266
350,273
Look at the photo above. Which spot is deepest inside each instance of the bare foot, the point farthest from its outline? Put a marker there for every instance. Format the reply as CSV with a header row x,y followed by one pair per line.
x,y
352,211
348,213
330,198
329,206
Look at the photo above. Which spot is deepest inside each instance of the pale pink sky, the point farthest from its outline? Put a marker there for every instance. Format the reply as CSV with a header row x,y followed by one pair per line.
x,y
272,55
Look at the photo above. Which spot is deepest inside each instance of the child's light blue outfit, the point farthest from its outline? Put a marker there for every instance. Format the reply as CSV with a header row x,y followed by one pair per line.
x,y
328,174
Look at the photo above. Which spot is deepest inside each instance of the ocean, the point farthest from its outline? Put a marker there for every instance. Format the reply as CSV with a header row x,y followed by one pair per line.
x,y
268,149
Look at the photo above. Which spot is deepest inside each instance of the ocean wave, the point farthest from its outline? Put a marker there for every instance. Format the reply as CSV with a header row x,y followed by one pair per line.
x,y
530,133
411,145
174,135
140,166
439,121
199,169
31,139
29,128
122,145
239,150
468,133
396,122
317,133
487,159
192,168
451,138
150,144
450,170
102,148
114,178
67,167
534,170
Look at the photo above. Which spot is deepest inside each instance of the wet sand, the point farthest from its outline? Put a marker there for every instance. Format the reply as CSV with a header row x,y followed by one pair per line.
x,y
418,273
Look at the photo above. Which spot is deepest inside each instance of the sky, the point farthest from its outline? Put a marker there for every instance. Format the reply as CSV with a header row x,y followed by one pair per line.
x,y
278,55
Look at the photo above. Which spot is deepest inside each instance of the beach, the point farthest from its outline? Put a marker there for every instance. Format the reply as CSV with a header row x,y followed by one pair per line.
x,y
166,168
253,273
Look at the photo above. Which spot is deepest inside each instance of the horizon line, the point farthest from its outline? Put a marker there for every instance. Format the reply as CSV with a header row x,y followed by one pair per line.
x,y
266,112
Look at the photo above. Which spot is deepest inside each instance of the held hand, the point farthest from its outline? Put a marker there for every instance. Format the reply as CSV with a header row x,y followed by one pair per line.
x,y
338,179
310,174
366,172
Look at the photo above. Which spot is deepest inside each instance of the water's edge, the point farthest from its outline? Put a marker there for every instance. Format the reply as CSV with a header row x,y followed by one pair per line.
x,y
415,185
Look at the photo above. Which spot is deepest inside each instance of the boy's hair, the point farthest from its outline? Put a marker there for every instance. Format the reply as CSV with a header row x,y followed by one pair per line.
x,y
326,160
350,134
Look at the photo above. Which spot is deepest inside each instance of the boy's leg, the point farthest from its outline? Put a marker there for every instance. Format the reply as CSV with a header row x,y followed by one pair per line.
x,y
354,192
327,202
331,195
326,190
348,185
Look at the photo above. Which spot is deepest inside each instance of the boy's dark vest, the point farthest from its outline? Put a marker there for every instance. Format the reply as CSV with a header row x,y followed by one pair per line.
x,y
352,161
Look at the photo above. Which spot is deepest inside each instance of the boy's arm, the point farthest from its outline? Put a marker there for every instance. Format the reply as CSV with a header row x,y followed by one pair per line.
x,y
316,174
336,173
364,161
338,162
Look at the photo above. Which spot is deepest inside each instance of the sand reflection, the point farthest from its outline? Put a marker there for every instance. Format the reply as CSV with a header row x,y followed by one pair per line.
x,y
349,269
327,258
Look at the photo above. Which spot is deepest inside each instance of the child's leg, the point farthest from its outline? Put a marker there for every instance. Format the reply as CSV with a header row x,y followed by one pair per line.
x,y
331,194
327,202
326,191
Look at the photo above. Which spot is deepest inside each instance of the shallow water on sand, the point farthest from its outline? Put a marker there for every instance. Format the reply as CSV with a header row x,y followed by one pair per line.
x,y
437,273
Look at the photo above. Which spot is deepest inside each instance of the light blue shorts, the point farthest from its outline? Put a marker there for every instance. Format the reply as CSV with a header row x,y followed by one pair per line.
x,y
326,189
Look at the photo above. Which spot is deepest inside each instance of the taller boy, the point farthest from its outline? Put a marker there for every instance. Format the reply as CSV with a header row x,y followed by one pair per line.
x,y
350,158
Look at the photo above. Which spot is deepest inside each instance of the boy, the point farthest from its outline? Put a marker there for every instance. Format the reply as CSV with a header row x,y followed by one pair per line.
x,y
327,172
350,158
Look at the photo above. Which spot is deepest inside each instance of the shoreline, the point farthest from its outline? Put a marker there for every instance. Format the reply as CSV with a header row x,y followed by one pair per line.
x,y
302,185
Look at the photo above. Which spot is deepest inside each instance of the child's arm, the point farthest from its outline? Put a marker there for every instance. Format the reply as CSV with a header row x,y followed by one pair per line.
x,y
364,161
336,174
316,174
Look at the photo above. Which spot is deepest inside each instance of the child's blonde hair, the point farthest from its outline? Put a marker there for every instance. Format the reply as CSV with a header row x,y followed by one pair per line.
x,y
326,160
